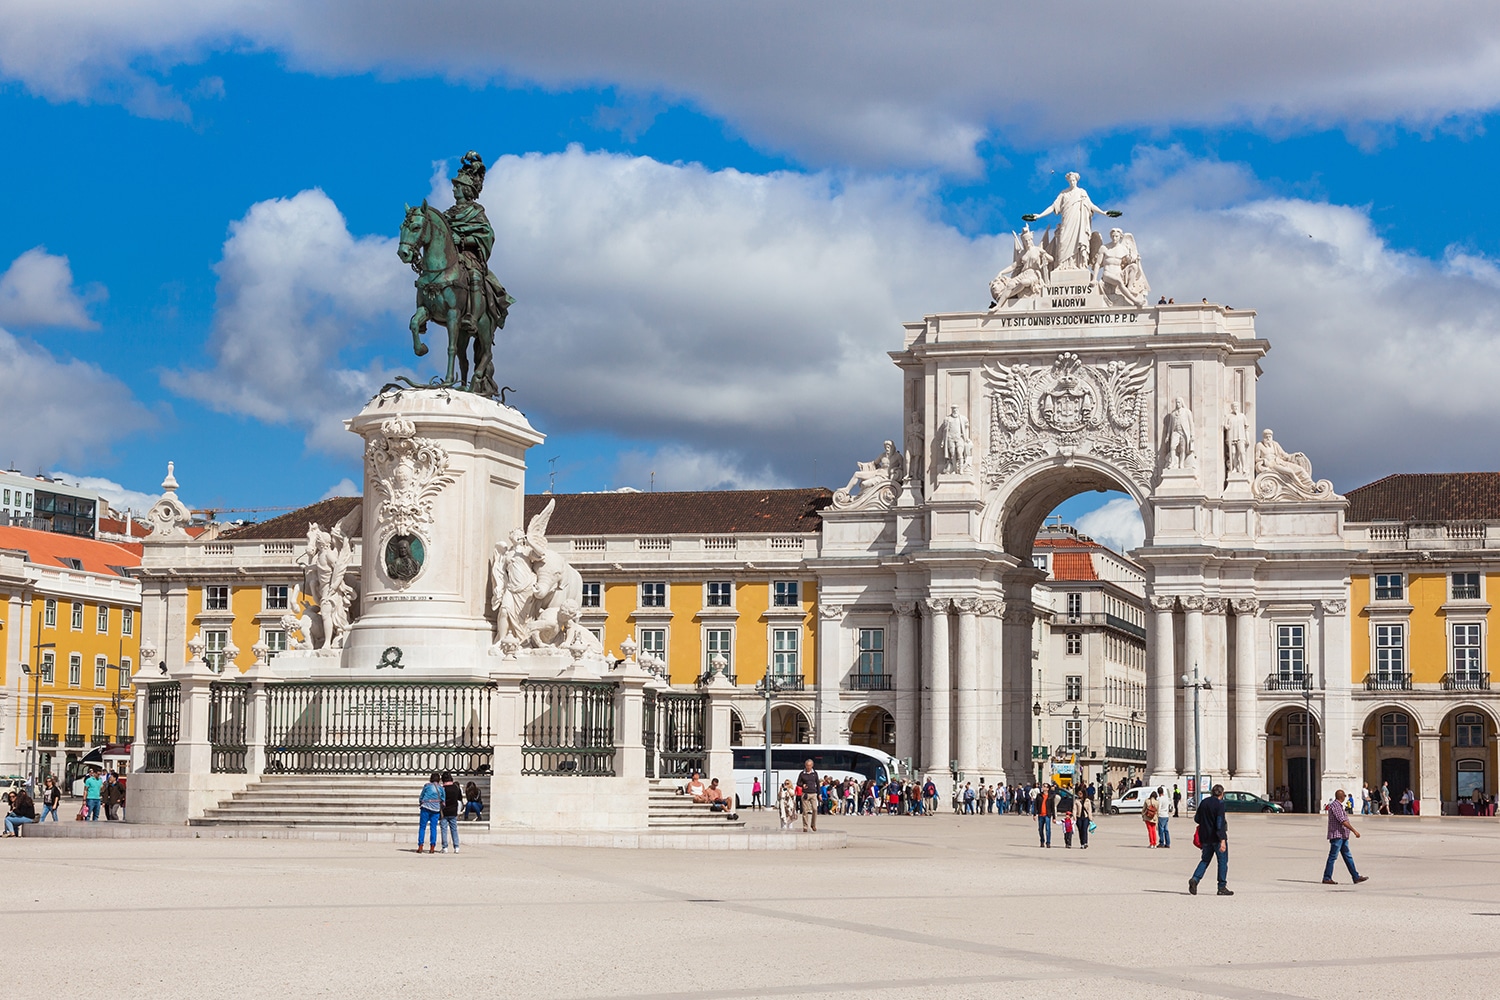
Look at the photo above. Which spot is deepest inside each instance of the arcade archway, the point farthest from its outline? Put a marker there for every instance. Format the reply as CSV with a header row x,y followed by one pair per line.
x,y
873,726
1293,757
790,724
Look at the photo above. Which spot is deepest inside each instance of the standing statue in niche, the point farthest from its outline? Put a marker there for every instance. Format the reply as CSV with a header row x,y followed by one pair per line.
x,y
1178,443
958,449
1118,267
1236,440
1027,274
1075,212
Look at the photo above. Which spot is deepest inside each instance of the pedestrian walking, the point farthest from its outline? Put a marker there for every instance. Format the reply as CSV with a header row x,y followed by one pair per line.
x,y
1176,801
1364,799
755,793
786,804
113,796
1067,825
1083,818
1044,819
1385,798
448,821
1212,837
1339,829
808,785
1149,813
1163,835
430,808
51,799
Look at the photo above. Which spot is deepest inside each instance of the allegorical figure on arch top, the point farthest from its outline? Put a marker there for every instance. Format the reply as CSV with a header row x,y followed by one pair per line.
x,y
1072,244
1118,266
1026,274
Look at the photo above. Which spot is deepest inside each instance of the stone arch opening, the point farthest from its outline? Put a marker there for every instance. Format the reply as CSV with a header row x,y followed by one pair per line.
x,y
1390,756
1014,515
736,729
1467,746
789,724
873,726
1294,747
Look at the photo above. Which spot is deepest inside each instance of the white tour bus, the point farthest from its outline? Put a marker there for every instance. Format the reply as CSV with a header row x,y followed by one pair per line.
x,y
830,761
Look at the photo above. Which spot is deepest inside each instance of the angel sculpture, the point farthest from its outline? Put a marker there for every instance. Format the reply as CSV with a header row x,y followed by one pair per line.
x,y
325,588
1117,266
532,583
1027,274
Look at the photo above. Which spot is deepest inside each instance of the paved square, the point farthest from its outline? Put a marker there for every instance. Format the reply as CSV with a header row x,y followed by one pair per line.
x,y
943,907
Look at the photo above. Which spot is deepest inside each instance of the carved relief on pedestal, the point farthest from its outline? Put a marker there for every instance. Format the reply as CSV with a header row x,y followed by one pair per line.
x,y
1070,409
1280,475
877,481
408,472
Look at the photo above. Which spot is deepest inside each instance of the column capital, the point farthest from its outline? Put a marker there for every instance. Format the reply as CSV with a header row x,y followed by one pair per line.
x,y
935,605
1244,605
1193,602
966,605
904,608
992,609
1215,605
1164,602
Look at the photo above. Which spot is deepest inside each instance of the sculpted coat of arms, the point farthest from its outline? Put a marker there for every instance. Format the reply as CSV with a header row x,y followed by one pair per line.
x,y
1071,408
408,472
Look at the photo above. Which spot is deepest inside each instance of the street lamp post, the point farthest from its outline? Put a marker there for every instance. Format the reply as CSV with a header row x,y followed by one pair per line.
x,y
34,669
1199,685
768,686
1036,710
1307,734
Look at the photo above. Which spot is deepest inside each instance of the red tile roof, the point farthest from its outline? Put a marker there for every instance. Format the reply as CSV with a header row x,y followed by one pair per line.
x,y
1427,496
326,513
46,548
1073,566
710,512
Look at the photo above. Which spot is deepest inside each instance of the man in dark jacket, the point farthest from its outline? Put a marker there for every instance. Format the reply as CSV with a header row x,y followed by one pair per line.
x,y
113,796
807,788
1213,836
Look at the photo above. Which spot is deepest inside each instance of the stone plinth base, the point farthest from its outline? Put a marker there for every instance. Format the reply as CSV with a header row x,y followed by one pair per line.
x,y
173,799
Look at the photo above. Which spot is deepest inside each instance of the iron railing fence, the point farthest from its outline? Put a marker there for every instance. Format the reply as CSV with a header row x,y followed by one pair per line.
x,y
1466,681
163,724
649,712
870,682
683,725
379,727
228,705
1400,681
568,727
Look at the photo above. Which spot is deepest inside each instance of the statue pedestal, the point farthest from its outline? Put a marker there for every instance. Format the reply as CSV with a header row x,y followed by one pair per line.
x,y
445,479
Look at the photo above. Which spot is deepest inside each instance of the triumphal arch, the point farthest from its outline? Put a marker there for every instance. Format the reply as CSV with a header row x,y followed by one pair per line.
x,y
1075,378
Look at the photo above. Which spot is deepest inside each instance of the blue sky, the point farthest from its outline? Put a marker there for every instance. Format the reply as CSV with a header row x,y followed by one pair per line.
x,y
714,222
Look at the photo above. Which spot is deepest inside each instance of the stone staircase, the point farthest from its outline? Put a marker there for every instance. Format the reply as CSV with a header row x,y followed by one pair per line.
x,y
668,811
329,801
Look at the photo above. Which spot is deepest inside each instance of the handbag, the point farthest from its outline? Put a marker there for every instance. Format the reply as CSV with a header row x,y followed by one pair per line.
x,y
1093,827
1197,840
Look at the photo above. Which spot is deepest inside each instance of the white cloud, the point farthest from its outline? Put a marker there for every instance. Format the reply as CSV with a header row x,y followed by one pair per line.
x,y
345,487
837,82
60,410
1116,524
675,467
37,290
297,293
120,498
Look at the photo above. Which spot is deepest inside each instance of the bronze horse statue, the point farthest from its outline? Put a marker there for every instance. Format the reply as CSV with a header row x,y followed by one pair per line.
x,y
443,297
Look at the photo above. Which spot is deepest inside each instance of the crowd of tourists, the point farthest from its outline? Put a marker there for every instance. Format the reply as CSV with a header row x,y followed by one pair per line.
x,y
103,799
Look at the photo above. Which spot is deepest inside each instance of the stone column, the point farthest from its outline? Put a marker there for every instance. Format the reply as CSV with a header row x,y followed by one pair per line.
x,y
935,674
1161,678
630,745
991,706
908,683
1429,766
1340,768
1018,728
966,688
720,762
259,676
828,719
140,682
1215,703
193,754
1246,704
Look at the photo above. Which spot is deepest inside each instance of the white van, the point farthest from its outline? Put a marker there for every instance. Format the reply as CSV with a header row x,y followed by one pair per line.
x,y
1132,801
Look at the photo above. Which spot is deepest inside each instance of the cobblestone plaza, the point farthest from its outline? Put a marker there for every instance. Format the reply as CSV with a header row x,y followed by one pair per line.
x,y
942,907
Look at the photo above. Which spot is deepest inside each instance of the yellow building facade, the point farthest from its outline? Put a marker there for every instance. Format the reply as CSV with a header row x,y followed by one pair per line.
x,y
70,615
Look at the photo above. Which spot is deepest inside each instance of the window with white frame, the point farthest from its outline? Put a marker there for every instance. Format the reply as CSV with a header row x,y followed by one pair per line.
x,y
1395,729
75,718
101,673
653,595
718,643
101,619
1074,643
1468,730
126,669
216,598
1296,729
49,662
75,670
122,725
214,641
784,643
77,622
1291,652
275,642
593,594
784,594
1390,586
871,652
1039,560
1073,690
1468,660
1075,606
720,594
49,613
1465,586
653,641
127,621
1390,652
45,726
278,597
1073,730
98,729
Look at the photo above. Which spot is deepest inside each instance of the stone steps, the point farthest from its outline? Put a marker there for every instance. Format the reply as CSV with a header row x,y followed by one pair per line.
x,y
327,801
666,810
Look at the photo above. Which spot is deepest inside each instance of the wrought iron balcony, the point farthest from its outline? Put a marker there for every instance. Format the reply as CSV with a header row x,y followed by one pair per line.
x,y
73,740
1294,682
1466,682
1390,682
1123,753
1108,621
46,739
791,682
870,682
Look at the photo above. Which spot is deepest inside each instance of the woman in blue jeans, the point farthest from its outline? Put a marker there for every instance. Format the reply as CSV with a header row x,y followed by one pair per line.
x,y
431,806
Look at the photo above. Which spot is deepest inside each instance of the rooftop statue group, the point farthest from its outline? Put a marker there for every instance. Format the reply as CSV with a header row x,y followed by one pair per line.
x,y
1115,266
450,251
